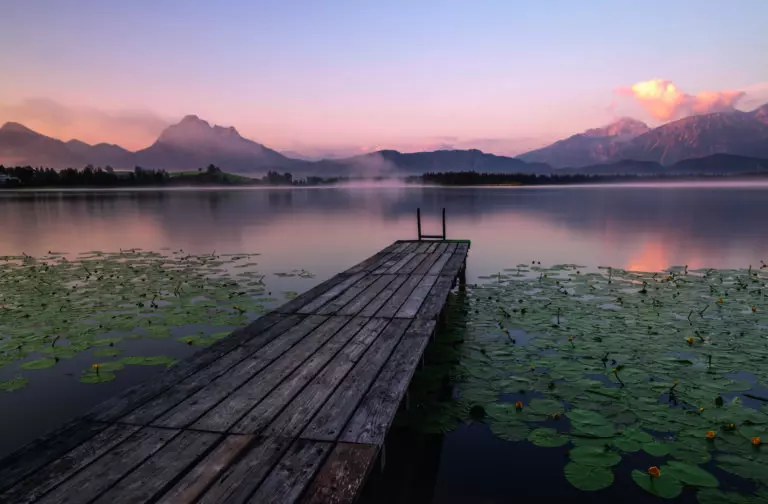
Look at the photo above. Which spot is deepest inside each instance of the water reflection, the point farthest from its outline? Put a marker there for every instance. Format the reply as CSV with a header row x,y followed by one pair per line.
x,y
330,228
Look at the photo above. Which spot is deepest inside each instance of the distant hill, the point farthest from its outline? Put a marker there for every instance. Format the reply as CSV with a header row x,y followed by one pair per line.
x,y
598,145
193,142
20,145
733,132
625,146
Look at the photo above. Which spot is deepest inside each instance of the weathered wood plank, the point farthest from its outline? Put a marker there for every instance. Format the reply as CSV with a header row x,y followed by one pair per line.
x,y
436,298
227,412
269,344
340,301
405,259
114,408
386,265
367,263
423,247
199,478
42,481
414,263
33,456
427,263
431,248
238,481
373,417
306,338
157,472
100,475
337,364
441,247
330,293
327,424
439,264
401,246
411,305
365,297
393,304
342,476
453,265
382,297
299,301
293,473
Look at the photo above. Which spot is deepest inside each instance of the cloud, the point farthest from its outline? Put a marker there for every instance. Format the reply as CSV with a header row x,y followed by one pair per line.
x,y
665,101
130,129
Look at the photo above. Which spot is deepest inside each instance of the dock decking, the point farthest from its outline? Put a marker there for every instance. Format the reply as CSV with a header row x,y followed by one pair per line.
x,y
294,407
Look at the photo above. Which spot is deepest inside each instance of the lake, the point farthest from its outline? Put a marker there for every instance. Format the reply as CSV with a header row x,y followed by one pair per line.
x,y
325,230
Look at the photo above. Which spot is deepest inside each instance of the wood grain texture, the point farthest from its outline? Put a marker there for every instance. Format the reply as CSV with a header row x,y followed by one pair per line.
x,y
295,398
435,300
88,484
392,305
327,424
146,413
43,451
342,477
201,476
405,259
344,298
382,297
236,483
370,261
372,418
116,407
453,265
354,306
414,263
292,474
48,477
294,345
331,293
157,472
244,399
412,304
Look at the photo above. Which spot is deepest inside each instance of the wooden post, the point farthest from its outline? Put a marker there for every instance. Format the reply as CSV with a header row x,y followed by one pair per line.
x,y
418,221
443,223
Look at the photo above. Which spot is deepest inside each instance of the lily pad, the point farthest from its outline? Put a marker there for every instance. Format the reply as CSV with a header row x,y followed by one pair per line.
x,y
588,478
595,456
43,363
14,384
546,437
664,486
689,474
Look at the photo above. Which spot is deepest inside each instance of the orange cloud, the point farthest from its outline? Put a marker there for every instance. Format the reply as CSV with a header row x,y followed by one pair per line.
x,y
665,101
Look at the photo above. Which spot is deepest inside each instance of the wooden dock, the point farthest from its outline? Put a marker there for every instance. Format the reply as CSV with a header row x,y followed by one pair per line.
x,y
295,407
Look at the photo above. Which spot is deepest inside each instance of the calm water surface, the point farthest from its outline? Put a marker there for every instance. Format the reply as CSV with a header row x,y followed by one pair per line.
x,y
326,230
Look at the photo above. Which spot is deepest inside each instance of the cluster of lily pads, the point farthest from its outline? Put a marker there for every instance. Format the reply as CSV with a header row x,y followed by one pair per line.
x,y
60,306
606,363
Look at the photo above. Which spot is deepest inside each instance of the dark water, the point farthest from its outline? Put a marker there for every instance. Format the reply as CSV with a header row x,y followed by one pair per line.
x,y
327,230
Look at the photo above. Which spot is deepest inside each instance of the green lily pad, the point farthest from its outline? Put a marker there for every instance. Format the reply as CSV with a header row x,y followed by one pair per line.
x,y
546,437
664,486
690,474
101,377
656,449
14,384
743,467
43,363
595,456
588,478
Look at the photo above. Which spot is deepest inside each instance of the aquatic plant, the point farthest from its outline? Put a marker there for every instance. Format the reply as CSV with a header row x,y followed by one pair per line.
x,y
59,305
671,363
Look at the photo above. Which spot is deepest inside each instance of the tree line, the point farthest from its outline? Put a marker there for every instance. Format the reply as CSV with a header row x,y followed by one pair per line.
x,y
90,176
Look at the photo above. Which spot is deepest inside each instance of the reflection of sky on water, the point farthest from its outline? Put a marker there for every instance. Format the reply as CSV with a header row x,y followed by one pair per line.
x,y
328,229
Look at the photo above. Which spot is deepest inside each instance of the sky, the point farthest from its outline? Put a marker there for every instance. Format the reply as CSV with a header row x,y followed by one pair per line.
x,y
337,76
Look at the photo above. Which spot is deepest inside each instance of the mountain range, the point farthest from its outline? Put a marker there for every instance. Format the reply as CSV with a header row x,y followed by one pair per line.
x,y
733,138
